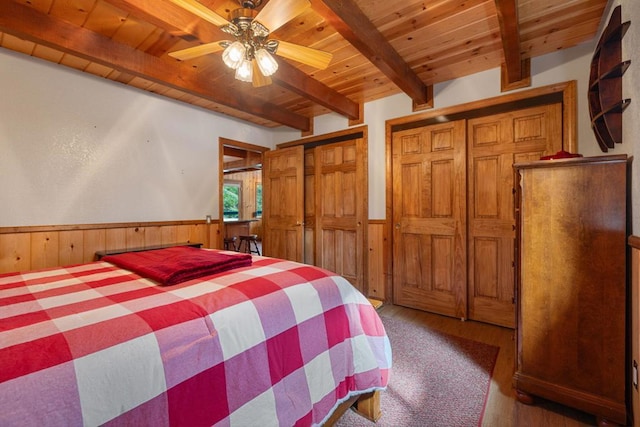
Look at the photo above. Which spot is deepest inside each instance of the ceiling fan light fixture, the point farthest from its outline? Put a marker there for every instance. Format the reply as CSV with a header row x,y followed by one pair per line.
x,y
251,52
250,4
234,55
245,71
267,63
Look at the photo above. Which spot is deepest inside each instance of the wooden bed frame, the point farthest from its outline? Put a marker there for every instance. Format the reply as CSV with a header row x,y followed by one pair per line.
x,y
366,405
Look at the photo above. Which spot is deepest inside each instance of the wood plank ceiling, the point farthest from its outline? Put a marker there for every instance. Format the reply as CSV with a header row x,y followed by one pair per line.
x,y
379,48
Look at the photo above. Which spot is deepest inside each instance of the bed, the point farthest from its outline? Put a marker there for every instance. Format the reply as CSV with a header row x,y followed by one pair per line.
x,y
262,341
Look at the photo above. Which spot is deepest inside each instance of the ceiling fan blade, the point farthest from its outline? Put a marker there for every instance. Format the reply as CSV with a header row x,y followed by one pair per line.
x,y
276,13
196,51
307,55
203,12
259,79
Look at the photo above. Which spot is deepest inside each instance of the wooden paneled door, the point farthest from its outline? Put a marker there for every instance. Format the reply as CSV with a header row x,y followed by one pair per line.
x,y
283,209
341,209
429,218
309,206
495,143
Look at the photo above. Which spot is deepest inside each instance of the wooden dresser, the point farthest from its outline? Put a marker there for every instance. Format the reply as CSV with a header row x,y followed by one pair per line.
x,y
571,289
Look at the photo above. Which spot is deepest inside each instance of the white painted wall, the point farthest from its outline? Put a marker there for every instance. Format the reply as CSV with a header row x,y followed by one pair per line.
x,y
561,66
631,89
77,149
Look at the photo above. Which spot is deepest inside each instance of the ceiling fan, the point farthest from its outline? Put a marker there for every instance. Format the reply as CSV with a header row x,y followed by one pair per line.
x,y
250,52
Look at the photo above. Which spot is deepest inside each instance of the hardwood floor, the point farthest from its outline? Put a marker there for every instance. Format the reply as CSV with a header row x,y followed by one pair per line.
x,y
502,409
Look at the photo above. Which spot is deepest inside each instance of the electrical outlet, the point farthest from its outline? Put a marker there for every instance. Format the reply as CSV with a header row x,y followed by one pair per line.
x,y
208,218
635,374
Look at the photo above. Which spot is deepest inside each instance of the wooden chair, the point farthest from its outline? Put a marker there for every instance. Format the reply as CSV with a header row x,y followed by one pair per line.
x,y
249,240
230,243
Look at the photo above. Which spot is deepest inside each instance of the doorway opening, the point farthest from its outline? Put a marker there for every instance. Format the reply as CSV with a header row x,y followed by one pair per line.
x,y
240,189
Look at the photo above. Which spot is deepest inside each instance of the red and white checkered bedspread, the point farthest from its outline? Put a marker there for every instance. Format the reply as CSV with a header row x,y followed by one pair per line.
x,y
277,343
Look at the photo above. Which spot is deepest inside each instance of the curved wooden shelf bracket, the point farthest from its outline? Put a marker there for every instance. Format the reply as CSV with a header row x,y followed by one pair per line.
x,y
605,83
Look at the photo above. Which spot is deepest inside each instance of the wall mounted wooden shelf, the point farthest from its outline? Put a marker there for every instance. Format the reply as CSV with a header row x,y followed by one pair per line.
x,y
605,83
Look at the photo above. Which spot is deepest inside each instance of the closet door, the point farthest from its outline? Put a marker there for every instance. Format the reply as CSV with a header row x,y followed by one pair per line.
x,y
283,212
495,143
429,218
341,209
309,206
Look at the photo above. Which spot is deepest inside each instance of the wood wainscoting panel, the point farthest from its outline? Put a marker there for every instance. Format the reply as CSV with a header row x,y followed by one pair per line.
x,y
33,248
173,234
44,250
93,240
378,253
116,238
212,234
136,237
70,249
154,234
15,252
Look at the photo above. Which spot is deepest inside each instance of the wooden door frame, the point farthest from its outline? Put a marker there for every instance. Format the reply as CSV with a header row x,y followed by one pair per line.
x,y
565,92
328,138
245,146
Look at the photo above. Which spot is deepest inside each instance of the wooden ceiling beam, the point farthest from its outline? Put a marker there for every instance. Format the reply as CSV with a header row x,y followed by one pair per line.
x,y
347,18
171,18
510,35
28,24
298,82
182,23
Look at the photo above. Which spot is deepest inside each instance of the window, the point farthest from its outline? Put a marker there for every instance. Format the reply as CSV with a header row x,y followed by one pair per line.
x,y
232,199
258,213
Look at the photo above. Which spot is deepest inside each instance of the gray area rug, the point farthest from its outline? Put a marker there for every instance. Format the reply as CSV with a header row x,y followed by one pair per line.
x,y
436,380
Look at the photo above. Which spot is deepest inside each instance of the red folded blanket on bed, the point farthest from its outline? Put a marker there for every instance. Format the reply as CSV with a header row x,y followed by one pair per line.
x,y
171,266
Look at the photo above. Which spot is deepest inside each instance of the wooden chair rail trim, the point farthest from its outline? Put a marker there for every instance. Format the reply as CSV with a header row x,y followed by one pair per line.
x,y
73,227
